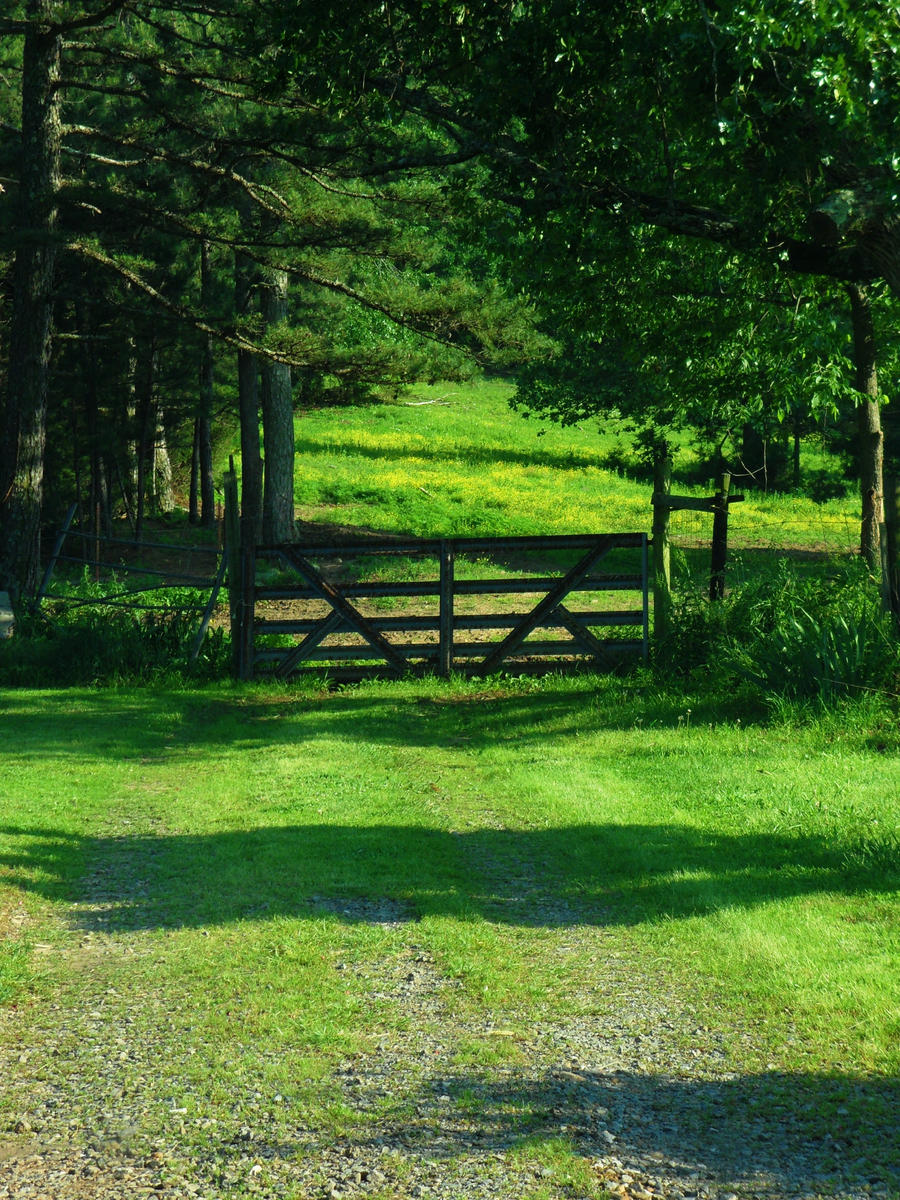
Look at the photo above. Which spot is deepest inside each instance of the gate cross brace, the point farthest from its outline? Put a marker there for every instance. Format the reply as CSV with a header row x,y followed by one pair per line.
x,y
342,605
309,643
582,636
552,600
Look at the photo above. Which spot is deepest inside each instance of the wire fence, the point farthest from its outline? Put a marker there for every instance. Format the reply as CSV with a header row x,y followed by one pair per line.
x,y
88,569
761,531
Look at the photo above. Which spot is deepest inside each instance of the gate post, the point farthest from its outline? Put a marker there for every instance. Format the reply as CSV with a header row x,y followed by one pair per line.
x,y
445,652
719,540
246,604
233,558
662,568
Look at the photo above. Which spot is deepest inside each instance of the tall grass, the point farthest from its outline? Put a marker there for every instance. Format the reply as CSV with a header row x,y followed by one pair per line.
x,y
796,634
79,640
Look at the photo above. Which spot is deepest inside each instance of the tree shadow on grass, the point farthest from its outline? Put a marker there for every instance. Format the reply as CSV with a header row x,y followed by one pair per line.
x,y
773,1133
155,725
601,874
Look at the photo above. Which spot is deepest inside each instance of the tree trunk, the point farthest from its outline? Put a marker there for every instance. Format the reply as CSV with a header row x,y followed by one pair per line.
x,y
763,460
144,389
248,400
162,466
870,445
204,414
22,458
194,493
278,423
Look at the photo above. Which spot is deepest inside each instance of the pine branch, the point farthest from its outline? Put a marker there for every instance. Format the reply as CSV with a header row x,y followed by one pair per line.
x,y
260,193
88,20
209,82
235,340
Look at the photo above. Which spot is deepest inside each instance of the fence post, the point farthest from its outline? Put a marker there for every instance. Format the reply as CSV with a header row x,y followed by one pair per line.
x,y
233,557
209,610
55,553
247,605
662,563
445,662
719,540
890,567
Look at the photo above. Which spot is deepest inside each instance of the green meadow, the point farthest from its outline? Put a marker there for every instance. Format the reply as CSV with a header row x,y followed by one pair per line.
x,y
237,873
455,460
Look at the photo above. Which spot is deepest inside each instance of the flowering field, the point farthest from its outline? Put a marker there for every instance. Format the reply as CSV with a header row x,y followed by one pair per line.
x,y
455,460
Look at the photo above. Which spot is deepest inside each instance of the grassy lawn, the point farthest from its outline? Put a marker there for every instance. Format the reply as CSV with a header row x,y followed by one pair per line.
x,y
760,863
220,904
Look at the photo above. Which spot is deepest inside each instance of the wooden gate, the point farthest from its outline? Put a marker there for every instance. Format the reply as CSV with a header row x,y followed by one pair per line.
x,y
473,605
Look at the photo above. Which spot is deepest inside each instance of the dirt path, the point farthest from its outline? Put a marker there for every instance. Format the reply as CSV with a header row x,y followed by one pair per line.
x,y
109,1092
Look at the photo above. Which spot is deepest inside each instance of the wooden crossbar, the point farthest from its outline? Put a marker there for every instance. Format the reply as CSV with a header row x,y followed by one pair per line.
x,y
545,607
342,605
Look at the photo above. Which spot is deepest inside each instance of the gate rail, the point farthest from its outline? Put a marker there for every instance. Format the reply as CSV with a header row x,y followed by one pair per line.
x,y
323,609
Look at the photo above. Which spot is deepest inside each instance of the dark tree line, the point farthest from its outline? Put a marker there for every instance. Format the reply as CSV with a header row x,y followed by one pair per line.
x,y
186,199
681,211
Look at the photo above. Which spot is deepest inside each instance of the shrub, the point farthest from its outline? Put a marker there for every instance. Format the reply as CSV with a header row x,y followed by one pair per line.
x,y
97,644
822,656
790,634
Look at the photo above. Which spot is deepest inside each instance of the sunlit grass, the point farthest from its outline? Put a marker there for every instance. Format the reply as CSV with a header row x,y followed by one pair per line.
x,y
455,460
259,825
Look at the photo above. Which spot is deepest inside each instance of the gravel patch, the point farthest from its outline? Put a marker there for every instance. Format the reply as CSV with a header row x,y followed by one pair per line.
x,y
99,1098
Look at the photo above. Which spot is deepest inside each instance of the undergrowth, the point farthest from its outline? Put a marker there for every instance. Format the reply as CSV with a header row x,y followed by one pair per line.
x,y
805,637
98,645
782,635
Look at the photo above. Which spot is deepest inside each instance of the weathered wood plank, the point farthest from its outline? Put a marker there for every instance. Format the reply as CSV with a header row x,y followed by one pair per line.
x,y
329,592
413,624
462,545
461,587
582,637
429,651
293,658
690,503
209,610
546,606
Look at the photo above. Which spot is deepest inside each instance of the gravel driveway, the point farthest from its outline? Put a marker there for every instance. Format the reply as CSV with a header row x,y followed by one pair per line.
x,y
643,1101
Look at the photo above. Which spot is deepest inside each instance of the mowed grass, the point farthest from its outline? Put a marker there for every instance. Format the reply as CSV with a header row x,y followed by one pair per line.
x,y
455,460
268,832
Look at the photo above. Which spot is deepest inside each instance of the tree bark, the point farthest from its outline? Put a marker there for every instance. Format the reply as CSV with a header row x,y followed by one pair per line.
x,y
194,490
278,423
248,401
870,442
162,465
204,414
22,473
145,418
